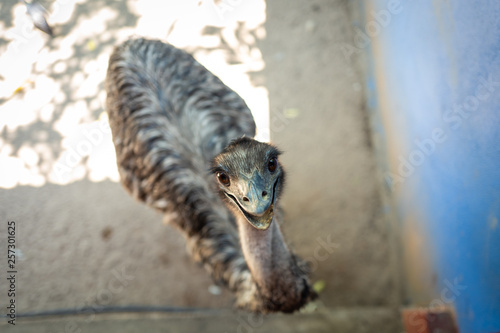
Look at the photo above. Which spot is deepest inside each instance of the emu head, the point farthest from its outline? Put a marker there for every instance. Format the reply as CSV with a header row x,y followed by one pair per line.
x,y
250,177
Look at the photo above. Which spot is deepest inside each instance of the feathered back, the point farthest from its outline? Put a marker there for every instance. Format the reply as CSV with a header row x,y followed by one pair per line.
x,y
169,117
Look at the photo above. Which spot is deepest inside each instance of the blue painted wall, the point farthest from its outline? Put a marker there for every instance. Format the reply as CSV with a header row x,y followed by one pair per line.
x,y
434,92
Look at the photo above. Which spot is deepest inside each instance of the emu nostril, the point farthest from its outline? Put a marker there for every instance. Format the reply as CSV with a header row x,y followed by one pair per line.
x,y
264,194
245,199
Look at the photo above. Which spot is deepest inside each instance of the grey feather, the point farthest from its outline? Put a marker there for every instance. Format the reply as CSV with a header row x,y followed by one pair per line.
x,y
37,15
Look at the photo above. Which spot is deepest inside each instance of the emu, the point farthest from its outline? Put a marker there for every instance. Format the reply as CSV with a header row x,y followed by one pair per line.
x,y
184,146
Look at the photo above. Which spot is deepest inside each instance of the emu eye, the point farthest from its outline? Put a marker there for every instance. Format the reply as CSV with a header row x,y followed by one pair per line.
x,y
223,178
272,164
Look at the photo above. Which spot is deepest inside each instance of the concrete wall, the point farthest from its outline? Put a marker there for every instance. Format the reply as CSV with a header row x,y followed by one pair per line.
x,y
434,95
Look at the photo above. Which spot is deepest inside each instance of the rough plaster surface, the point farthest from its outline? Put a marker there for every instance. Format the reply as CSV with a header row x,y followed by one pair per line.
x,y
359,320
332,190
88,244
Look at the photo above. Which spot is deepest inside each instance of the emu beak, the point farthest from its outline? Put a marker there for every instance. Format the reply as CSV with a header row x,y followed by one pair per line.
x,y
258,205
261,222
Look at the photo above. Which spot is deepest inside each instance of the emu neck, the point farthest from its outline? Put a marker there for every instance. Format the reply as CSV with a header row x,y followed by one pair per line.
x,y
265,252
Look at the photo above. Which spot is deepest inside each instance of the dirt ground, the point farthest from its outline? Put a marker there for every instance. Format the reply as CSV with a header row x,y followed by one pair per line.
x,y
83,242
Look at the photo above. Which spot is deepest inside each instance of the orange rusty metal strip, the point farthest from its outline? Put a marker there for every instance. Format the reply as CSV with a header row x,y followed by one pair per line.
x,y
423,320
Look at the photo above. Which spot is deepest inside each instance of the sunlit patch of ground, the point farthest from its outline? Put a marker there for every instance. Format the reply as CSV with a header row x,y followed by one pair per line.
x,y
53,125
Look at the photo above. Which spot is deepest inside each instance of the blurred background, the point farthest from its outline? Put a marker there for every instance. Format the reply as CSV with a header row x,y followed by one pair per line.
x,y
388,115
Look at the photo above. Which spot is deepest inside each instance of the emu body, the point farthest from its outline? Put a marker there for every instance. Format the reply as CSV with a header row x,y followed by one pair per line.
x,y
183,147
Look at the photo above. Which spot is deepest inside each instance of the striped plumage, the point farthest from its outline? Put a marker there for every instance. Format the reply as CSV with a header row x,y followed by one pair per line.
x,y
170,118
